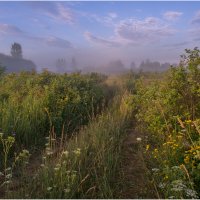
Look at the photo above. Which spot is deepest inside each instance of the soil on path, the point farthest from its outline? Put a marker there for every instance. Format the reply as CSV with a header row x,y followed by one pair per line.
x,y
135,183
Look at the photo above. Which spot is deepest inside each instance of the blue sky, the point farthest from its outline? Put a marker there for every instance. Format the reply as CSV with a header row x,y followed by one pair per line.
x,y
97,32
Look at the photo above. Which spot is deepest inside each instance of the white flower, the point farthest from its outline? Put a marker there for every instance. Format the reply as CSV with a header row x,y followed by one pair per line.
x,y
139,139
7,182
67,190
49,188
56,168
65,153
49,153
8,169
176,168
155,170
8,176
191,193
162,185
178,186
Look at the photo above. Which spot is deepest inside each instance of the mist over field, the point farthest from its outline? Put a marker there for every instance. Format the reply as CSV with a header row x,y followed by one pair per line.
x,y
99,100
97,34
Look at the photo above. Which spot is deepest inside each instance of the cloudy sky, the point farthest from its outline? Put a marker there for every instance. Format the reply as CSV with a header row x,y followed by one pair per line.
x,y
97,32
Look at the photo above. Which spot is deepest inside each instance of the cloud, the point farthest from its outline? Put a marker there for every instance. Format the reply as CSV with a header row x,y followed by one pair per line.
x,y
108,20
58,42
6,29
196,19
143,31
10,30
172,15
112,15
98,40
56,10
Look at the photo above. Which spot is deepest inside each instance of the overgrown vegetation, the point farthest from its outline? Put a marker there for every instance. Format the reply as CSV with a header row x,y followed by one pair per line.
x,y
168,113
31,103
78,124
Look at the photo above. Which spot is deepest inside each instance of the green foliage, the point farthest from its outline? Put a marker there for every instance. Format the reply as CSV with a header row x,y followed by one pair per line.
x,y
86,166
31,103
168,111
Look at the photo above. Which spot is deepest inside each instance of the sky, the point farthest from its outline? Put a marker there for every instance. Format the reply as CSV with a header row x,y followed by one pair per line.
x,y
98,32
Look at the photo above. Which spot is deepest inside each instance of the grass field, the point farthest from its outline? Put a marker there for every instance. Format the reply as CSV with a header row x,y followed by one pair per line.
x,y
70,135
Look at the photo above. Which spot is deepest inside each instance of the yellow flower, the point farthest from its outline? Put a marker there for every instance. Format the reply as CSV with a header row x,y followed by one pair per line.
x,y
147,147
156,150
166,177
187,159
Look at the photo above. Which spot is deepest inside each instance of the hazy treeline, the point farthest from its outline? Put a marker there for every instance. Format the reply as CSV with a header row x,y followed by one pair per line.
x,y
16,63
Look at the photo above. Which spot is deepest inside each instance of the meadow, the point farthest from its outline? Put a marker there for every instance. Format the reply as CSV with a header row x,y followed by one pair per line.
x,y
63,135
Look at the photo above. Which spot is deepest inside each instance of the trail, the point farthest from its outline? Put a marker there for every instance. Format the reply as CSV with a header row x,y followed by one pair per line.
x,y
135,183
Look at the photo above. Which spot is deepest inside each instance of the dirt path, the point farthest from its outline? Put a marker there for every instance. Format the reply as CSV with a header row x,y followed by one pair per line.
x,y
135,183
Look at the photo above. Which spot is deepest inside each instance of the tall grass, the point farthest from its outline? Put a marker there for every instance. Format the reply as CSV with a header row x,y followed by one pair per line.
x,y
85,166
28,100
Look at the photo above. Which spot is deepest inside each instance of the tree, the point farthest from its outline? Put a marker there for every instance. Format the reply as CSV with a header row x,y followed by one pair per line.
x,y
74,64
132,66
16,50
2,70
61,65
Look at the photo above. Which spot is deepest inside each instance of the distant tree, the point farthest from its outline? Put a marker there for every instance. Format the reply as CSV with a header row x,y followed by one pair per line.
x,y
74,64
164,66
2,70
133,66
16,50
61,65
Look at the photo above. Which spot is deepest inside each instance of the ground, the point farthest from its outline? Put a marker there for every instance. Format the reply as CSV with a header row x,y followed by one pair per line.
x,y
135,184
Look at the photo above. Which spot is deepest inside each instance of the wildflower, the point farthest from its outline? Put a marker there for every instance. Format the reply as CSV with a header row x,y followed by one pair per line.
x,y
67,190
162,185
77,151
65,153
49,188
58,165
139,139
8,176
7,182
175,167
187,159
147,147
25,151
178,186
188,121
56,169
155,170
191,193
8,169
166,177
49,153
